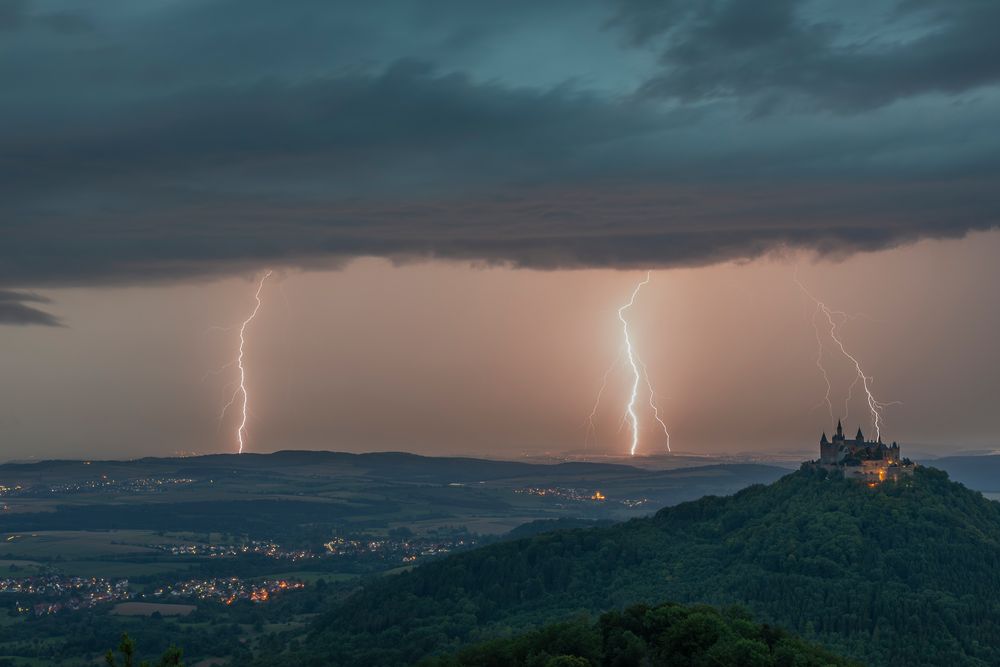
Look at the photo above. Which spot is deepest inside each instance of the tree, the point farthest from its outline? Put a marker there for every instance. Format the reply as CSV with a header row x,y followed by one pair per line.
x,y
568,661
172,657
127,648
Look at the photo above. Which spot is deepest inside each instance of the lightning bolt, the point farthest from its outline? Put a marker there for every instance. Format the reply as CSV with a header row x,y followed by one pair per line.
x,y
874,406
850,395
822,369
634,363
241,390
590,423
656,409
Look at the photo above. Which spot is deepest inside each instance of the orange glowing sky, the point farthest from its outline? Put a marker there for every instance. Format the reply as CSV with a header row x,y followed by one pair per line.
x,y
444,357
456,198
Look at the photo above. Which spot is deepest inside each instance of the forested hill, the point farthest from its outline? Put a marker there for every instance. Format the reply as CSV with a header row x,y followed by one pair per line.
x,y
670,635
902,574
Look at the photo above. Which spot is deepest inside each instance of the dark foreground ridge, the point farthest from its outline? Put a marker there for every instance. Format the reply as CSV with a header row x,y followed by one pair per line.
x,y
906,573
667,634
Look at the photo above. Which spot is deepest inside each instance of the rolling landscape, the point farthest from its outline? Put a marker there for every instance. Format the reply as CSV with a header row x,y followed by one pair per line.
x,y
321,558
129,539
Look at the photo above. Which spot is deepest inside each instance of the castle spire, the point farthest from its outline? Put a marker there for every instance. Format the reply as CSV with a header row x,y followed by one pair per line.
x,y
823,440
840,429
860,437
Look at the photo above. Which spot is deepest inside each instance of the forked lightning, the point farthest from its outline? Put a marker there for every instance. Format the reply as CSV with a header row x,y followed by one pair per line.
x,y
241,390
639,373
876,407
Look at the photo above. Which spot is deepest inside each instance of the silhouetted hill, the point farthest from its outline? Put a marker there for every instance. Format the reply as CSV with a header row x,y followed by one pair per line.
x,y
398,466
902,574
976,472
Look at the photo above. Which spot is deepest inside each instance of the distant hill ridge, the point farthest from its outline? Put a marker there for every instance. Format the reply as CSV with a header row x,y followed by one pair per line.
x,y
980,471
398,465
906,573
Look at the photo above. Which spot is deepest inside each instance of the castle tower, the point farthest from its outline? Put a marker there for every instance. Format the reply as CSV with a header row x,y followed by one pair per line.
x,y
827,450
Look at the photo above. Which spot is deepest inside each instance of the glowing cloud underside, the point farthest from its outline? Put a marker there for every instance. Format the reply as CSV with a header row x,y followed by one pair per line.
x,y
241,390
876,407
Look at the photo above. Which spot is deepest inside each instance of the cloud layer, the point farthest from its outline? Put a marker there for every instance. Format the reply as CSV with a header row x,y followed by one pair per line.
x,y
847,57
15,309
175,140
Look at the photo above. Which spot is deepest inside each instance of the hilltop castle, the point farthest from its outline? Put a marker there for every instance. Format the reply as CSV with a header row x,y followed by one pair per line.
x,y
869,461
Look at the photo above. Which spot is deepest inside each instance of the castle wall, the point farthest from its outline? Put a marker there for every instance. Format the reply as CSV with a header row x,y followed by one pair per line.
x,y
828,453
869,462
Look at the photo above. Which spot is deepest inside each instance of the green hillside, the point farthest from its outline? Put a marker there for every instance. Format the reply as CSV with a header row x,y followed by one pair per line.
x,y
902,574
670,635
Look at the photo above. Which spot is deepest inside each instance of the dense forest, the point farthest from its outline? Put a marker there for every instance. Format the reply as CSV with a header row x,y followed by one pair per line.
x,y
902,574
667,635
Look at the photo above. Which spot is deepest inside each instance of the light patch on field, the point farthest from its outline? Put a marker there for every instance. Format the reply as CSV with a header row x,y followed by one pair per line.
x,y
312,577
495,525
118,569
6,565
74,543
150,608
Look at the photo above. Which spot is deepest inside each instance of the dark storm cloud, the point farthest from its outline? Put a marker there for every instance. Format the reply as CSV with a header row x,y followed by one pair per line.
x,y
782,50
14,309
18,14
190,139
13,14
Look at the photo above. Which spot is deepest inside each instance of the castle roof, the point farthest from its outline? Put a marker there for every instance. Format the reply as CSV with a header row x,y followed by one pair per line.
x,y
840,449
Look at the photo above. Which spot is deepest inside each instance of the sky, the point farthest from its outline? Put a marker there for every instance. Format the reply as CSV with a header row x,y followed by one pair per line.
x,y
456,198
